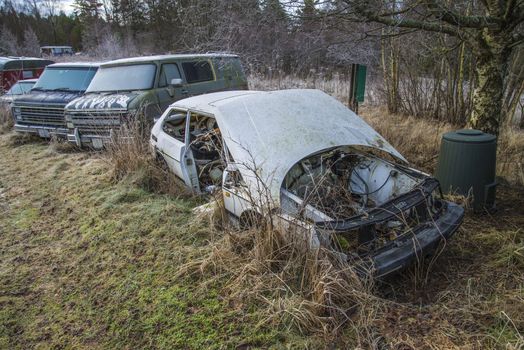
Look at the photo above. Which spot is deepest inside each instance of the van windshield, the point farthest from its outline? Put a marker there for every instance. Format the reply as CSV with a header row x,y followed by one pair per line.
x,y
65,79
124,78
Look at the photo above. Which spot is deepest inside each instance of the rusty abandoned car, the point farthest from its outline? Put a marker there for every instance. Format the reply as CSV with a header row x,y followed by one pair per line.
x,y
314,165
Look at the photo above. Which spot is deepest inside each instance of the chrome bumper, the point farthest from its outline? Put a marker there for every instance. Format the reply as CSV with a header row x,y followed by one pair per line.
x,y
42,131
92,141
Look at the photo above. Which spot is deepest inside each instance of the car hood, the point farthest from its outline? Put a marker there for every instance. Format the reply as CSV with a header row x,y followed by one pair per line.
x,y
46,97
268,132
96,101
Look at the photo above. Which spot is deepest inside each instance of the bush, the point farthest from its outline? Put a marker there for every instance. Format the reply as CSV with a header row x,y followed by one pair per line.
x,y
132,158
6,120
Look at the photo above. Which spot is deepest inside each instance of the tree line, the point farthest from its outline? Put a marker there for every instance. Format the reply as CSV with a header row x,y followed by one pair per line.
x,y
456,61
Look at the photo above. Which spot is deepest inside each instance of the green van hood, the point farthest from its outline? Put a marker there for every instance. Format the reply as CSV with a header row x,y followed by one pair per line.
x,y
101,101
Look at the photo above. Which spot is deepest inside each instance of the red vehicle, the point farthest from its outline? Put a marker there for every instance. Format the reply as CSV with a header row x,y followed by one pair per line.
x,y
13,69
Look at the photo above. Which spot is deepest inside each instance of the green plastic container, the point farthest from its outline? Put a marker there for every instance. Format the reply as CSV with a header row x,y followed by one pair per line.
x,y
467,166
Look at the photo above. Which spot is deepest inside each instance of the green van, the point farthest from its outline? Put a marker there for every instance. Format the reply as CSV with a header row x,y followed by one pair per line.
x,y
124,88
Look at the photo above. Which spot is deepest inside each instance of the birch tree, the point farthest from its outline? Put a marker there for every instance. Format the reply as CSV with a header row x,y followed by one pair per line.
x,y
493,32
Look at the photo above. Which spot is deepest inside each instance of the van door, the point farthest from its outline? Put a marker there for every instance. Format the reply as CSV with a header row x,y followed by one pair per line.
x,y
166,93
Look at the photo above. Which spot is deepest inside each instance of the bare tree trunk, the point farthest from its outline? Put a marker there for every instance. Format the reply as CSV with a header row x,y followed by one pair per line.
x,y
390,69
487,98
491,67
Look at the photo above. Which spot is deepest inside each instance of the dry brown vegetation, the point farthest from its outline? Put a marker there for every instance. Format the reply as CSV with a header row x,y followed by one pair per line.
x,y
6,121
419,141
131,157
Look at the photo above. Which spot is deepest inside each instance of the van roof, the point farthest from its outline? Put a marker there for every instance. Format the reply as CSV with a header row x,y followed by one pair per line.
x,y
56,47
160,58
34,80
75,65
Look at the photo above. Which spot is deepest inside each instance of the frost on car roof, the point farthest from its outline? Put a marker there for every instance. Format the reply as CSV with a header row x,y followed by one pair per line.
x,y
274,130
75,65
147,59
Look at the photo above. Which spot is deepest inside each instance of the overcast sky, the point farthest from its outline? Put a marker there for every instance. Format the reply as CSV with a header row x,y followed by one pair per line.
x,y
65,5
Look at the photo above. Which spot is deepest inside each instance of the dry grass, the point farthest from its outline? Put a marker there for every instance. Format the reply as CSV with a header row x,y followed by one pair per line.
x,y
132,159
304,290
337,86
469,295
6,121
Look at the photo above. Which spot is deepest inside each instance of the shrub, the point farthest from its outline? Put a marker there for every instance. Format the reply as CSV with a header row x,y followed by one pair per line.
x,y
132,158
6,120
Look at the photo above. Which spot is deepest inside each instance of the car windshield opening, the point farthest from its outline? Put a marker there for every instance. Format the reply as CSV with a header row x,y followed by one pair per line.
x,y
65,79
124,78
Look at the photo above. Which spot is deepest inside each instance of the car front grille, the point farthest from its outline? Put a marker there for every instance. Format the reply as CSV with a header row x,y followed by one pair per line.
x,y
42,116
98,123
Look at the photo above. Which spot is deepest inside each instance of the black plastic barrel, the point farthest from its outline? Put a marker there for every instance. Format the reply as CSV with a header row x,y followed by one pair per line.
x,y
467,166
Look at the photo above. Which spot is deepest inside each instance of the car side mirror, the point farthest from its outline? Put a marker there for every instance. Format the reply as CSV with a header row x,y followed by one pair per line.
x,y
177,82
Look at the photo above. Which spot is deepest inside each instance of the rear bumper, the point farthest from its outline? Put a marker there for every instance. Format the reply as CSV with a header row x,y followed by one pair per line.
x,y
402,252
42,131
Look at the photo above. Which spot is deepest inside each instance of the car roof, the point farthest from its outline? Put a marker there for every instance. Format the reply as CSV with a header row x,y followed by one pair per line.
x,y
276,129
75,65
207,102
159,58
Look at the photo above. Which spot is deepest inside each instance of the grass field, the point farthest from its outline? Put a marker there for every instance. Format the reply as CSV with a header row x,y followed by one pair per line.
x,y
90,262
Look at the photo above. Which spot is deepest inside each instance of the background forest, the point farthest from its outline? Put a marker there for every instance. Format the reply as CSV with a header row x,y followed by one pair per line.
x,y
434,76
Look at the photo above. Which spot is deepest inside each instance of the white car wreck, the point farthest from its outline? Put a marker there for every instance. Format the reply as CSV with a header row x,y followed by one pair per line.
x,y
314,165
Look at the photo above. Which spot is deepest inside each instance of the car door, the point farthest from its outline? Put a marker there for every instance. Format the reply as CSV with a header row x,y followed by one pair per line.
x,y
166,93
173,145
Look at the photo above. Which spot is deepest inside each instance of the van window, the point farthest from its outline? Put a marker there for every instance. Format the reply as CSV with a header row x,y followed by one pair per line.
x,y
169,72
197,71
